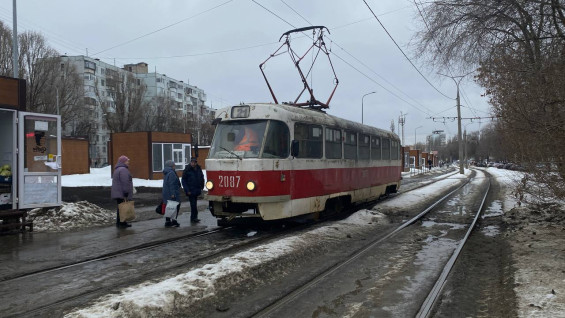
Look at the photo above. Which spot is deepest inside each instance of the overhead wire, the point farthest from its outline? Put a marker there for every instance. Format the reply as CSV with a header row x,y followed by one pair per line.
x,y
407,58
349,64
196,54
463,94
163,28
24,24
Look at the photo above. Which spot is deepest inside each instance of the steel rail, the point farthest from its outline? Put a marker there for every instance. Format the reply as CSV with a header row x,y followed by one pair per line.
x,y
434,294
354,256
106,256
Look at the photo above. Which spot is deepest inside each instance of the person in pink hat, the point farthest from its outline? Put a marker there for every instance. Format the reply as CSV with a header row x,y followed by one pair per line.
x,y
122,187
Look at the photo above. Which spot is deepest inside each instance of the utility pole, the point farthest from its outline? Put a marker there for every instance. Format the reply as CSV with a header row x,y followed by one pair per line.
x,y
401,121
459,134
15,42
461,171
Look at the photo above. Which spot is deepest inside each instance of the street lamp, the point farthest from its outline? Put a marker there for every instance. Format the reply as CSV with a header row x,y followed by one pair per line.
x,y
362,104
415,135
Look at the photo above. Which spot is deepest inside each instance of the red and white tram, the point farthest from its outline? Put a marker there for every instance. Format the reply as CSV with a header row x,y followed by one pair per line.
x,y
274,161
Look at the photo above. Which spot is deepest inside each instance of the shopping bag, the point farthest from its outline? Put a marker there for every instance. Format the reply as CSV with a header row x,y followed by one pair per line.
x,y
127,212
171,209
160,209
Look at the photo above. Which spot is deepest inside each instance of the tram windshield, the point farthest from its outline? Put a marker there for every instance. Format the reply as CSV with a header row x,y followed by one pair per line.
x,y
247,139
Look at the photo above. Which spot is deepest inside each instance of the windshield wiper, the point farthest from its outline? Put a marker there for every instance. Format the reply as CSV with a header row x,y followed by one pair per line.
x,y
231,152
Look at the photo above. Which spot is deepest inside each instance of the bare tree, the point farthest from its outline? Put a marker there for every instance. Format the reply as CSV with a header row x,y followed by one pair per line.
x,y
53,87
518,48
125,109
6,63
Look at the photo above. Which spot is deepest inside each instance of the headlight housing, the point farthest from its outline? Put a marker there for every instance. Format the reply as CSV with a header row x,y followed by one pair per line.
x,y
250,185
209,185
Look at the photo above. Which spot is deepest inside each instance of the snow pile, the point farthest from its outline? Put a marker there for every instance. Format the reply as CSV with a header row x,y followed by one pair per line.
x,y
70,216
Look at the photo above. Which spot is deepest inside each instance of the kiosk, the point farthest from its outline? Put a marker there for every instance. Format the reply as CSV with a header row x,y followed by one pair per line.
x,y
30,160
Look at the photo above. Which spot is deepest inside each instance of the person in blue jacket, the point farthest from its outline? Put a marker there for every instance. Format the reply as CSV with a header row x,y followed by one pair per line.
x,y
192,183
171,191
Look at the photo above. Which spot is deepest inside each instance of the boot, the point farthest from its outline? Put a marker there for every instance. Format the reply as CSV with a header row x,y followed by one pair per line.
x,y
168,222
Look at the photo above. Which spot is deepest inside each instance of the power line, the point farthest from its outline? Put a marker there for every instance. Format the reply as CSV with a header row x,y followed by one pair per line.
x,y
379,84
53,37
390,36
303,18
463,94
271,12
163,28
350,65
384,79
194,54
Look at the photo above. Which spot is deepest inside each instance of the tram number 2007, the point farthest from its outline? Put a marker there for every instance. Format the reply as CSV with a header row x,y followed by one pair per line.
x,y
229,181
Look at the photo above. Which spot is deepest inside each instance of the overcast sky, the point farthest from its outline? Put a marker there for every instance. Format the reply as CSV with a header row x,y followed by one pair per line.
x,y
218,45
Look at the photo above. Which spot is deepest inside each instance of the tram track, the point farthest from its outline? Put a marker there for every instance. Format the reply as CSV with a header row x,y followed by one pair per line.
x,y
278,306
48,304
41,307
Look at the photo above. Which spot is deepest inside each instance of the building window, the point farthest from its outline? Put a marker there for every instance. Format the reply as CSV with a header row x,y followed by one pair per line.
x,y
179,153
90,65
310,140
333,143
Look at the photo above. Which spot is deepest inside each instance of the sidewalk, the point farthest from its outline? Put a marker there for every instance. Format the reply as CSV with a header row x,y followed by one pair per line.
x,y
31,251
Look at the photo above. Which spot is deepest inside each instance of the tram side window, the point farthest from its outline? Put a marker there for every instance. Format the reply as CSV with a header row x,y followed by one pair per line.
x,y
333,143
276,144
350,145
309,139
386,149
394,150
375,148
364,153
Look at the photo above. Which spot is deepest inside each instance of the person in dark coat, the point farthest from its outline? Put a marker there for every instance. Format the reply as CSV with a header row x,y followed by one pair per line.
x,y
122,187
192,183
171,191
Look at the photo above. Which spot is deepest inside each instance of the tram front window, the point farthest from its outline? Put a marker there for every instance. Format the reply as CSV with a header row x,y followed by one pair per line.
x,y
238,139
244,139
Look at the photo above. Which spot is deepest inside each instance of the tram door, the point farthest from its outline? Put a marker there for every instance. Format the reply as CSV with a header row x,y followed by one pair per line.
x,y
39,160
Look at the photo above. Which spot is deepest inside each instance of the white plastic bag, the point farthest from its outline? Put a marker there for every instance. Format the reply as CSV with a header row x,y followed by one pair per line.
x,y
171,209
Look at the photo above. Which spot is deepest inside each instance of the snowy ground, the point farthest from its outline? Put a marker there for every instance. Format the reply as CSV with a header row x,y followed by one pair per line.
x,y
536,235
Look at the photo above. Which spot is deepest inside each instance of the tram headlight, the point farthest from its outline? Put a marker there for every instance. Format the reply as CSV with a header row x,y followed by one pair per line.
x,y
209,185
250,185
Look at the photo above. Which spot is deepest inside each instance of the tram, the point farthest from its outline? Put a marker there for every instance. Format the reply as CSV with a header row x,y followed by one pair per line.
x,y
277,161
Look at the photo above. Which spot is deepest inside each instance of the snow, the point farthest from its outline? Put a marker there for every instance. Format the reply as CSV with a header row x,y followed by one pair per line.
x,y
102,177
156,298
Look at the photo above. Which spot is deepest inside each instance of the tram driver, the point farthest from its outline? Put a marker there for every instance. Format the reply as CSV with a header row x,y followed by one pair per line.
x,y
248,141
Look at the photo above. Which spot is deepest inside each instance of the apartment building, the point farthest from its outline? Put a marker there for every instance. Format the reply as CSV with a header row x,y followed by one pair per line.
x,y
189,100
